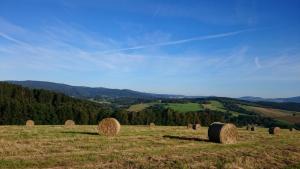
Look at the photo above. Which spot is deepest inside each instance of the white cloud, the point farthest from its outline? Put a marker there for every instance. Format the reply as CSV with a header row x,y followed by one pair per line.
x,y
68,48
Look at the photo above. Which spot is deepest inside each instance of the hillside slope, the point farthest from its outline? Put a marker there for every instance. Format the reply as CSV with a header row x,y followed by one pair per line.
x,y
278,100
289,116
18,104
89,92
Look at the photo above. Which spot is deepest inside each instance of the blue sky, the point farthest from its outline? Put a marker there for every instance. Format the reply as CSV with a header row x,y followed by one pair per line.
x,y
222,48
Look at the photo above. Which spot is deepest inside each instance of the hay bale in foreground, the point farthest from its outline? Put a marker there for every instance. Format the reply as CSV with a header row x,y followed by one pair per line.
x,y
151,125
225,133
69,123
274,130
189,126
109,127
196,126
29,123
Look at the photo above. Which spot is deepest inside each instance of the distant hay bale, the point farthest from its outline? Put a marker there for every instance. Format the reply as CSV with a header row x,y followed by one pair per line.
x,y
225,133
69,123
252,128
151,125
189,126
29,123
109,127
274,130
291,129
196,126
248,127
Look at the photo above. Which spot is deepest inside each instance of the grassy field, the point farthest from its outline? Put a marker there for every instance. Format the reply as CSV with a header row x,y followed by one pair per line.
x,y
218,106
184,107
214,105
282,115
143,147
139,107
180,107
275,113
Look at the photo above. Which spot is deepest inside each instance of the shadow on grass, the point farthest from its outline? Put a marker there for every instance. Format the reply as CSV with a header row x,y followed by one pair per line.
x,y
79,132
185,138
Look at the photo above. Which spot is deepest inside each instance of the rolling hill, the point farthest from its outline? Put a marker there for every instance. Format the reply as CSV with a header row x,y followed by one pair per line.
x,y
278,100
101,92
289,116
89,92
17,104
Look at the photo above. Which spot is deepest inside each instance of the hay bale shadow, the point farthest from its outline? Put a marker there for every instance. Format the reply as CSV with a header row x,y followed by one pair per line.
x,y
80,132
186,138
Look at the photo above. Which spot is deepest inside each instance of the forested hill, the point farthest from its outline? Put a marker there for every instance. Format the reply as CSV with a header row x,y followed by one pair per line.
x,y
277,100
18,104
89,92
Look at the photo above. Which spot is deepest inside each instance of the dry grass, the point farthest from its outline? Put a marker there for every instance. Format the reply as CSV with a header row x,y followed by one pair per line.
x,y
276,113
138,147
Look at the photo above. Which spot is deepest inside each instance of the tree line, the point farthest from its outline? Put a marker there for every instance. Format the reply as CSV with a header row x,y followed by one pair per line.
x,y
165,116
19,104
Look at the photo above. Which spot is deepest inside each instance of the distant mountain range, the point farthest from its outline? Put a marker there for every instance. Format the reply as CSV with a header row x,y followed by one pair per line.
x,y
96,92
89,92
278,100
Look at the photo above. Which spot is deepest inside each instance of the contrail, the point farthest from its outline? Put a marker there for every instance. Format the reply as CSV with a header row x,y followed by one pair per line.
x,y
199,38
7,37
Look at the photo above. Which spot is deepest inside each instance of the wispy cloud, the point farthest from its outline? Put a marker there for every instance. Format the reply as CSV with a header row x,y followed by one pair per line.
x,y
65,48
176,42
7,37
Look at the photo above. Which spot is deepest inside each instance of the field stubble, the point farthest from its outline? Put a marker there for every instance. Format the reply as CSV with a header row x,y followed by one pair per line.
x,y
143,147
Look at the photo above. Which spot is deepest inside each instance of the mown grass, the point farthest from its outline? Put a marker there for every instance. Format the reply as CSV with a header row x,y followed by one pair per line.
x,y
139,107
218,106
179,107
275,113
184,107
143,147
214,105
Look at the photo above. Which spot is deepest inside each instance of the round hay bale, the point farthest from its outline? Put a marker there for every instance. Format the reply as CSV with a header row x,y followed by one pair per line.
x,y
69,123
29,123
196,126
151,125
225,133
274,130
252,128
291,129
189,126
109,127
